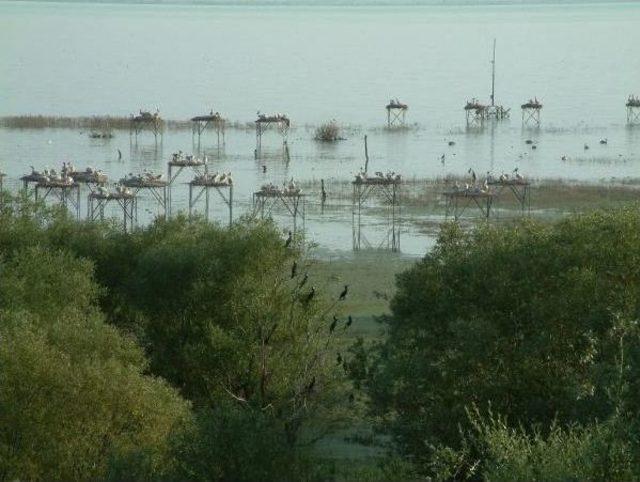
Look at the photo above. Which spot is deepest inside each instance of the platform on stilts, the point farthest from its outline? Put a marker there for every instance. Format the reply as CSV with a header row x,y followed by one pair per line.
x,y
212,121
279,122
202,186
396,113
289,197
178,163
146,121
122,197
458,200
387,187
65,192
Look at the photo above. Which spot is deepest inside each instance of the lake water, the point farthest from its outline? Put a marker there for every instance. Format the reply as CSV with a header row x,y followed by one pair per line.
x,y
317,63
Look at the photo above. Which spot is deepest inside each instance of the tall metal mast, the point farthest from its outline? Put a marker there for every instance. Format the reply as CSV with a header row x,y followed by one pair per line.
x,y
493,75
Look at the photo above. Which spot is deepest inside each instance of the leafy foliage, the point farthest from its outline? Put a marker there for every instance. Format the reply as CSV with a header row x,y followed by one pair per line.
x,y
73,393
518,319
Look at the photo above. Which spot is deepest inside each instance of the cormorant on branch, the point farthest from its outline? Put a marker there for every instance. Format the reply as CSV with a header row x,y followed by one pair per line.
x,y
339,359
334,323
294,269
343,295
289,239
311,294
349,321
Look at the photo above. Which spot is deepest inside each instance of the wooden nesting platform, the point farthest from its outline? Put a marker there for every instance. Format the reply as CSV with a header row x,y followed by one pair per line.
x,y
200,186
531,113
293,201
476,113
97,178
396,105
389,190
157,188
32,179
396,113
520,189
214,121
633,102
531,104
633,110
273,119
377,181
279,121
144,184
126,201
459,200
146,120
187,163
63,191
207,118
197,166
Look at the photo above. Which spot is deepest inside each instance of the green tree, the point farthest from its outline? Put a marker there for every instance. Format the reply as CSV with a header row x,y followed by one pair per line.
x,y
514,318
73,393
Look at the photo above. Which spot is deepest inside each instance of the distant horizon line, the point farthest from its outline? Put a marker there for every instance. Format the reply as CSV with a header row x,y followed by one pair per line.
x,y
337,3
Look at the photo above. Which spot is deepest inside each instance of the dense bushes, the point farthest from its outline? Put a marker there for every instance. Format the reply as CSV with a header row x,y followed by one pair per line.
x,y
524,320
219,316
73,394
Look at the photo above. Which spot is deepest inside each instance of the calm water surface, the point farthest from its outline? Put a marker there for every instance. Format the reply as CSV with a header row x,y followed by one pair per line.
x,y
320,63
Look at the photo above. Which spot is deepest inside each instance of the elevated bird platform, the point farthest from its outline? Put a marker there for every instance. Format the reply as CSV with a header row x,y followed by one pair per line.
x,y
148,121
202,185
61,190
126,201
531,105
377,181
396,114
520,188
187,163
531,113
112,196
207,118
279,193
388,189
157,188
90,177
144,183
209,183
212,121
457,202
273,119
279,121
293,201
633,110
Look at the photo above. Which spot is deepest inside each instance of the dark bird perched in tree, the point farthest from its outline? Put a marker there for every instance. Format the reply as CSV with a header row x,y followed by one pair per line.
x,y
304,280
311,294
351,398
339,359
343,295
289,239
349,321
312,384
334,323
294,269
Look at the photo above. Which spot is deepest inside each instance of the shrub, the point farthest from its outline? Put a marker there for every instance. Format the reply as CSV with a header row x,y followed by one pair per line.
x,y
328,132
521,318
